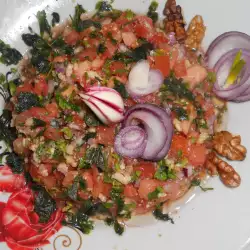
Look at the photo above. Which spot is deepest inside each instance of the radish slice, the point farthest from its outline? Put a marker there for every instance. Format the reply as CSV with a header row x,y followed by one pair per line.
x,y
105,102
143,81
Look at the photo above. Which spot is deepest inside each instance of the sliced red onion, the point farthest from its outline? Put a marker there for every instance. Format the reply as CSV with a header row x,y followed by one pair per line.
x,y
131,142
158,126
143,80
244,97
106,103
222,70
224,43
60,68
172,39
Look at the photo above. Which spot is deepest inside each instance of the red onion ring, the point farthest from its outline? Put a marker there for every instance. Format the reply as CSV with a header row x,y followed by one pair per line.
x,y
243,98
131,142
223,44
222,69
158,126
143,80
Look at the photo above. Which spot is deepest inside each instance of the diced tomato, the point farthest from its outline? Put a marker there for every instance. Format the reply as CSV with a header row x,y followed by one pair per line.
x,y
26,87
179,144
209,111
151,98
52,134
89,53
69,178
174,54
129,39
72,38
162,63
147,169
60,59
180,69
52,109
144,27
40,113
49,181
78,120
88,177
41,87
112,28
159,38
195,75
110,50
105,135
147,186
130,191
197,154
117,67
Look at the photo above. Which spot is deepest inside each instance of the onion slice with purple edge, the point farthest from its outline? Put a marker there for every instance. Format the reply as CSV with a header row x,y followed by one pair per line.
x,y
223,44
143,81
158,125
222,70
131,142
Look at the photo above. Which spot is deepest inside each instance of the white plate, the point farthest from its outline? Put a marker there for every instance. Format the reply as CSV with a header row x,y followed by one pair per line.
x,y
217,220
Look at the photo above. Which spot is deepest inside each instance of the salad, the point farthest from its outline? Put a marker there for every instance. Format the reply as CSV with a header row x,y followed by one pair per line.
x,y
112,114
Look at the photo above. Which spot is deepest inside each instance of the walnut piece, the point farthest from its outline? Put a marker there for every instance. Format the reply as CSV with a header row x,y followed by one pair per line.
x,y
226,172
195,33
174,21
229,146
210,165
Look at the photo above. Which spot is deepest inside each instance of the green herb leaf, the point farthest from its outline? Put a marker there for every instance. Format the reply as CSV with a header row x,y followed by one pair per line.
x,y
38,123
129,14
7,133
15,163
43,22
80,221
180,112
95,156
152,13
103,6
64,104
163,172
55,18
159,215
9,55
177,88
197,183
155,194
91,119
27,100
121,89
101,49
44,204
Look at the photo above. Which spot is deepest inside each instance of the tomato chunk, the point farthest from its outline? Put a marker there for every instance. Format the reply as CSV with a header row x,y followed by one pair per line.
x,y
163,64
197,154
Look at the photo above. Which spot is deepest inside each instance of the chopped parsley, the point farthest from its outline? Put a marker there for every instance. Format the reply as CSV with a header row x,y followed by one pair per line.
x,y
197,183
155,194
163,172
152,13
9,55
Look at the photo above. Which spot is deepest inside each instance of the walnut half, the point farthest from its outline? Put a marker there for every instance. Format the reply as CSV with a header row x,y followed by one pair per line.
x,y
174,21
226,172
195,33
229,146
